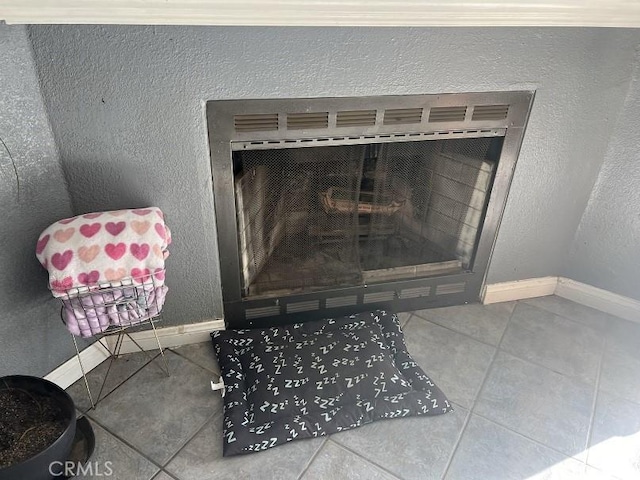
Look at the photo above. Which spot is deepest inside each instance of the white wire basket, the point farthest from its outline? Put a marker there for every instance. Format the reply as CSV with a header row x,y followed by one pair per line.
x,y
98,309
103,310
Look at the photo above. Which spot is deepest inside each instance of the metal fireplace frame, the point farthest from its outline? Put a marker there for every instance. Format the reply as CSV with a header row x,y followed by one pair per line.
x,y
310,122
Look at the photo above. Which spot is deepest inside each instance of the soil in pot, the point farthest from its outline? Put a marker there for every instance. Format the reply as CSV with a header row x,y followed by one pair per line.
x,y
29,423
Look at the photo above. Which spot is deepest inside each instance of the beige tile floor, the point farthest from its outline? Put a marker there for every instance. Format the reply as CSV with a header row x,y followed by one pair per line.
x,y
542,388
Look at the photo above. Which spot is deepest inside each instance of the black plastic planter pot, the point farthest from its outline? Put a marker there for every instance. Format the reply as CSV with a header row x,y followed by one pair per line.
x,y
49,463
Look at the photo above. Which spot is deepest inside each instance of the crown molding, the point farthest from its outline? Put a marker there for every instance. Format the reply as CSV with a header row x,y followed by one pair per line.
x,y
379,13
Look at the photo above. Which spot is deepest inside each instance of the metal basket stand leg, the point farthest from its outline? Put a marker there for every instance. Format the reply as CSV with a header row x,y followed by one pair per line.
x,y
84,374
114,353
164,359
165,369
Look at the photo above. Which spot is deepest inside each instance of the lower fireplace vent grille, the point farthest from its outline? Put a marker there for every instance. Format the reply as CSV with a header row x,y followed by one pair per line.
x,y
346,301
415,292
303,306
450,288
379,297
260,312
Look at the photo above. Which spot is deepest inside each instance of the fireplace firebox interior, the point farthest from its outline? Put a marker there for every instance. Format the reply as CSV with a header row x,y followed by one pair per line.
x,y
352,204
358,214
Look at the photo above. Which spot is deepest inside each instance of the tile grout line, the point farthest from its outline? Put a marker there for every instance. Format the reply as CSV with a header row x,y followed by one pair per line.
x,y
136,449
595,401
194,362
162,470
465,424
456,331
128,444
353,452
456,444
532,362
613,393
144,455
406,322
195,434
472,410
366,460
313,457
476,397
135,372
533,440
539,365
510,429
561,315
206,422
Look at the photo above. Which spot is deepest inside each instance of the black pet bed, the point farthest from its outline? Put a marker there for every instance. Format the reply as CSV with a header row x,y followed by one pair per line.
x,y
317,378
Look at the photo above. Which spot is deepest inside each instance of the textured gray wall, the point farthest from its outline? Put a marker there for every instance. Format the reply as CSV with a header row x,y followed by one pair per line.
x,y
126,104
32,339
606,248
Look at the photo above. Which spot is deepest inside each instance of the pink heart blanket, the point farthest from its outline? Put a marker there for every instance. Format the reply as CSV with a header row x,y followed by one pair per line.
x,y
105,249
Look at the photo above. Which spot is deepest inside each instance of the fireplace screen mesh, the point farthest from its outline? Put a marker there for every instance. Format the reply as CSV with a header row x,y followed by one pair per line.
x,y
323,217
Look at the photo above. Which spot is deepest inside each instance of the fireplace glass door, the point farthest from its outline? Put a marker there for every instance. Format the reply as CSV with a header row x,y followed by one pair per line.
x,y
321,217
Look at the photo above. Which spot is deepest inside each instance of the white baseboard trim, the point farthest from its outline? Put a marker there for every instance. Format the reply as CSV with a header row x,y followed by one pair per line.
x,y
582,293
603,300
69,372
519,289
172,336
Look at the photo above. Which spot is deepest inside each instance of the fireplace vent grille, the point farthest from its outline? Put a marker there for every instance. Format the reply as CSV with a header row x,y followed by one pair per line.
x,y
447,114
415,292
269,122
260,312
449,288
297,307
259,122
303,121
375,297
345,301
490,112
401,116
356,118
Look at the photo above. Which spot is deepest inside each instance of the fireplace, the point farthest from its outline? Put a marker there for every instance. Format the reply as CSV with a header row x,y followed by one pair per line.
x,y
330,206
